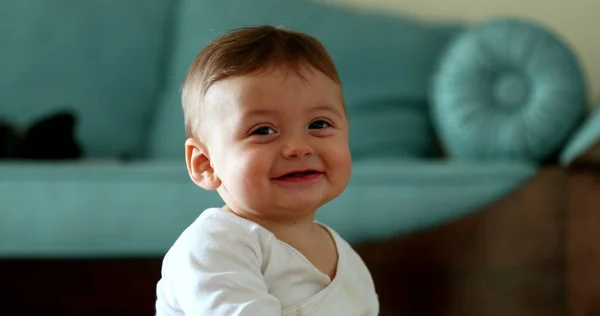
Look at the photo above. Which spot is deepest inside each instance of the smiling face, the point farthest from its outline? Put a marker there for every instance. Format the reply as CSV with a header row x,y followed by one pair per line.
x,y
277,142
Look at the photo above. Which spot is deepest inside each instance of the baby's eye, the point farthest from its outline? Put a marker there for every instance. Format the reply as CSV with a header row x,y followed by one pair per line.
x,y
264,130
320,124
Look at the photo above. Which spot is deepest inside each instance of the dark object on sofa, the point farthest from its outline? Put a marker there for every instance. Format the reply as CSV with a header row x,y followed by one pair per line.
x,y
9,140
50,138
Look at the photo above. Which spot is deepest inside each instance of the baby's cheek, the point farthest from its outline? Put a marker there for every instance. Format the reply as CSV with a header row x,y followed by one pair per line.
x,y
254,167
341,162
340,153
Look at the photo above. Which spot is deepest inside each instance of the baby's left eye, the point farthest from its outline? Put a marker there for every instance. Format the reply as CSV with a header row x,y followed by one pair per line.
x,y
320,124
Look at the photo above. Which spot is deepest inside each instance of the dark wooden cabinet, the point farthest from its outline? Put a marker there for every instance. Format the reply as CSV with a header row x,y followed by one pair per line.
x,y
535,252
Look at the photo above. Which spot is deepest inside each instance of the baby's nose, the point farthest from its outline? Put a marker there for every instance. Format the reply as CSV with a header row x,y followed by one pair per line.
x,y
297,148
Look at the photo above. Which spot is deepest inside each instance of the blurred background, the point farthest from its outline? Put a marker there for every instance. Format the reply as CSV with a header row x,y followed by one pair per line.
x,y
474,134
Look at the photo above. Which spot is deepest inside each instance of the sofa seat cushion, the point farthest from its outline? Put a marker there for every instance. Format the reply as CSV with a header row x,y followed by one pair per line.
x,y
106,209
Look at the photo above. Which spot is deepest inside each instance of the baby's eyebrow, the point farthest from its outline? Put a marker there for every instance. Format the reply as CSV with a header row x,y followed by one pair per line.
x,y
265,112
258,112
328,108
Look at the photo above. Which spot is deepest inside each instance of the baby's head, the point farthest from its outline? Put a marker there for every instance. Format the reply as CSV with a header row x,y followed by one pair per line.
x,y
266,123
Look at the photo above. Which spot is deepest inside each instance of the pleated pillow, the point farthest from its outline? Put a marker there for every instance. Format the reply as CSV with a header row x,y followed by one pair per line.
x,y
507,89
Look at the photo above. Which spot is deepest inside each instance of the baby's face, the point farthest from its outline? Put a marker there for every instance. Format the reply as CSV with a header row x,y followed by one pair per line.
x,y
277,141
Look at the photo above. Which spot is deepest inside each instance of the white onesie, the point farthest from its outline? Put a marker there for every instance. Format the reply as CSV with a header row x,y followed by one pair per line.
x,y
224,265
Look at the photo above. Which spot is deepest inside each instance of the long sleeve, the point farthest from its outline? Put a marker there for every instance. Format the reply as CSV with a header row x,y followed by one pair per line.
x,y
216,271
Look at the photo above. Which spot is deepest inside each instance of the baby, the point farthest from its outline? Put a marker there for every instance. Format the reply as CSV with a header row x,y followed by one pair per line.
x,y
267,129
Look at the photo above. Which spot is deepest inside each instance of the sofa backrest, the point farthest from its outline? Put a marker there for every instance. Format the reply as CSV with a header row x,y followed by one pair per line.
x,y
384,62
101,59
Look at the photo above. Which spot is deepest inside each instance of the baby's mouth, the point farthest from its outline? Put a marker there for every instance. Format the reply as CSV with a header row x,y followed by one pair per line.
x,y
300,174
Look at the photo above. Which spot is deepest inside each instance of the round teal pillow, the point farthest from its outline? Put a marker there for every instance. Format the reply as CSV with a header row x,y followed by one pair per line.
x,y
507,89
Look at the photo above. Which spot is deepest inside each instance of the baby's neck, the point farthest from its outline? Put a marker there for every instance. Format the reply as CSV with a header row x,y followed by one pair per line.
x,y
291,231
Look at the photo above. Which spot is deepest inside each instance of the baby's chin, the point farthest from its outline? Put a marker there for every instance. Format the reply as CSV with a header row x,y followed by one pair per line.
x,y
286,207
304,204
287,203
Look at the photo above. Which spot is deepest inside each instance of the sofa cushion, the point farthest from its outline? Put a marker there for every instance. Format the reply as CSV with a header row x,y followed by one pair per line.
x,y
384,62
102,59
507,89
106,209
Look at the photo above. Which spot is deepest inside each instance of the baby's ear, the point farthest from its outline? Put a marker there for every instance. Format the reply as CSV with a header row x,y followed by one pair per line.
x,y
198,164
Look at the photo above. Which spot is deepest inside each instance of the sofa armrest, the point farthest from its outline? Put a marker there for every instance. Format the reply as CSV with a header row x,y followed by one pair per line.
x,y
583,149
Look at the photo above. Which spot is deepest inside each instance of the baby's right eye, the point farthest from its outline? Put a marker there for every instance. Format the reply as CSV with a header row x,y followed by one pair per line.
x,y
264,130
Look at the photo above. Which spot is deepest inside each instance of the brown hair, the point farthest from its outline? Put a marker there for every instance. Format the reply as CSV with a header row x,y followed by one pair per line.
x,y
247,50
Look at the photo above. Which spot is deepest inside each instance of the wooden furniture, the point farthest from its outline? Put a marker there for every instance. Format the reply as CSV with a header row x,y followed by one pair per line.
x,y
508,259
583,234
583,243
535,252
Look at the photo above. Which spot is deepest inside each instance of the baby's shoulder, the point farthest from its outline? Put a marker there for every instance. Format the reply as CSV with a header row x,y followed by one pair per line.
x,y
216,232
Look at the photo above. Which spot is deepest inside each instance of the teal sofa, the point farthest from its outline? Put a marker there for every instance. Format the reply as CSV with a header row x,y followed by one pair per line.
x,y
118,65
